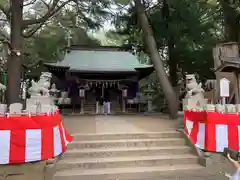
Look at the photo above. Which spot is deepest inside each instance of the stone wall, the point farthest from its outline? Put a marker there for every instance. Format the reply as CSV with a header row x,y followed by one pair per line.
x,y
42,170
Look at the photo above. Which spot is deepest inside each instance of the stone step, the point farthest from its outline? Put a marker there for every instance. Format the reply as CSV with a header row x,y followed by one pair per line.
x,y
89,109
147,135
130,173
123,152
126,143
117,162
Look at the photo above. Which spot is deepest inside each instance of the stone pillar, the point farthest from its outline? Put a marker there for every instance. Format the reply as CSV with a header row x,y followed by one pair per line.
x,y
82,107
82,96
123,105
97,107
149,105
124,96
148,93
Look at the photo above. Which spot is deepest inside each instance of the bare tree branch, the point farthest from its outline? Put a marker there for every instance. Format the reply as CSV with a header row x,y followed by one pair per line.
x,y
51,12
29,3
32,31
46,4
6,11
5,38
4,35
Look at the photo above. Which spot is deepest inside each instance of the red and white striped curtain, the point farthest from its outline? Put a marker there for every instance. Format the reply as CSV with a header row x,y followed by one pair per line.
x,y
212,131
32,138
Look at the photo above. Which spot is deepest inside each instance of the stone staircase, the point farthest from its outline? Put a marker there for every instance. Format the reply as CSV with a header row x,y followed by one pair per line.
x,y
89,107
132,156
116,107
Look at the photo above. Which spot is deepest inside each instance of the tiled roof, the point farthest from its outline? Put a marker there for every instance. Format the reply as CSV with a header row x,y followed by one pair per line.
x,y
100,60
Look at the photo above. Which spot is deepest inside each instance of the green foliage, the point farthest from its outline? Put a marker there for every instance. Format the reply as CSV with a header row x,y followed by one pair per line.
x,y
193,25
49,44
190,28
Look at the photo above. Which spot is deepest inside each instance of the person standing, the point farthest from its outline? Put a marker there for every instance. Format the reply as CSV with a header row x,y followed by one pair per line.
x,y
101,103
236,164
74,94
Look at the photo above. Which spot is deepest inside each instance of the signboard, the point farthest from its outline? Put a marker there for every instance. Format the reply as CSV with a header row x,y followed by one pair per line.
x,y
224,87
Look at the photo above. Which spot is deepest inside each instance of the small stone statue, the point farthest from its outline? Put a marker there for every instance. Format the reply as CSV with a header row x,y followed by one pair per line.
x,y
2,87
194,98
54,90
41,87
193,88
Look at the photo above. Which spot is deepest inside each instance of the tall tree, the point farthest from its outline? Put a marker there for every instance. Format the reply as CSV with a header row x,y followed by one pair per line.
x,y
231,15
22,26
14,62
184,31
156,60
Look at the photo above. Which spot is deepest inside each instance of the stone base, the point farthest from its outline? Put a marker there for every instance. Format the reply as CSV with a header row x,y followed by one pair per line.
x,y
194,103
42,99
43,170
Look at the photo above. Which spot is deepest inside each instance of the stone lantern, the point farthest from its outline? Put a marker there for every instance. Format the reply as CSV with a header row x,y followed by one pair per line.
x,y
124,97
148,92
82,96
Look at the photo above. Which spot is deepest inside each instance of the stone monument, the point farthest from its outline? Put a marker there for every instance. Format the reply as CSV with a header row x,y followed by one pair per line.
x,y
194,98
39,91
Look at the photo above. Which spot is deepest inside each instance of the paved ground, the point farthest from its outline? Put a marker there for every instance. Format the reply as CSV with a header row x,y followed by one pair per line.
x,y
117,124
138,123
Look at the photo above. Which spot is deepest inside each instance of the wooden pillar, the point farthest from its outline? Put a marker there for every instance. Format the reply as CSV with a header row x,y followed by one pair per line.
x,y
237,100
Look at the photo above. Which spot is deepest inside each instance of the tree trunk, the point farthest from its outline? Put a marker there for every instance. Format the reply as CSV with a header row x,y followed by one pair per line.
x,y
14,62
156,60
231,21
172,63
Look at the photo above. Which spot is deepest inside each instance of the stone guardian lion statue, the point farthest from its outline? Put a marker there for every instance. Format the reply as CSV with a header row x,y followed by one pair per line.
x,y
195,93
41,88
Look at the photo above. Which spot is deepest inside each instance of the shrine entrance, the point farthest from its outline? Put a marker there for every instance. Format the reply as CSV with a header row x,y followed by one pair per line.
x,y
103,97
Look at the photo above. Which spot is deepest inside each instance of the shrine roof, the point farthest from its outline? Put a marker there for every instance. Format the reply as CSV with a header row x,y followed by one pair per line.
x,y
100,59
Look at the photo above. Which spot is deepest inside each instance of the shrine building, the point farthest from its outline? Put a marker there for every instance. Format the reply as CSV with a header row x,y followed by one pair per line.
x,y
111,73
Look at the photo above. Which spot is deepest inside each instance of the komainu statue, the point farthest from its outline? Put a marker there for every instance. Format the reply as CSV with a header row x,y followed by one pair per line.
x,y
2,87
195,93
41,88
194,89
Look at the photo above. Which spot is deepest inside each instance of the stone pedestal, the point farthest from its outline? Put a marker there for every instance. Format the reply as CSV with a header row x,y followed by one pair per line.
x,y
42,103
149,105
82,108
42,99
148,93
193,103
43,170
123,105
